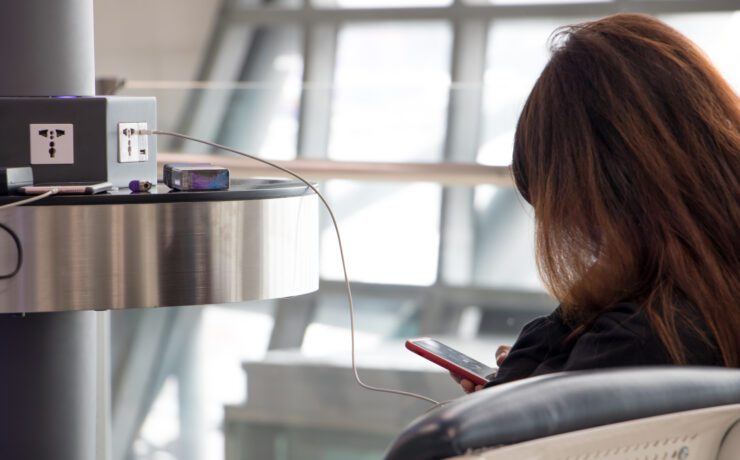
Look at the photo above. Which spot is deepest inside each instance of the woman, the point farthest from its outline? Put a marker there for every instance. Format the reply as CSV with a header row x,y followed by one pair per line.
x,y
628,149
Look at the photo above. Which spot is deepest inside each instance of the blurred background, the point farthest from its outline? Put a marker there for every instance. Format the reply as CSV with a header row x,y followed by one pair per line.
x,y
409,82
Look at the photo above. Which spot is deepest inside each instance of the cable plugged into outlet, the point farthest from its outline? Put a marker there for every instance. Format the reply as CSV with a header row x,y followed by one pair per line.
x,y
52,143
133,143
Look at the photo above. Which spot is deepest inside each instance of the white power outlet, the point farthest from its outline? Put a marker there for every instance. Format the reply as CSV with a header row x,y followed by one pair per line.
x,y
52,144
132,146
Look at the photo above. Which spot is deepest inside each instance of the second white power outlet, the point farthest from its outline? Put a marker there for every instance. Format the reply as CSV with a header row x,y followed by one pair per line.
x,y
52,144
132,146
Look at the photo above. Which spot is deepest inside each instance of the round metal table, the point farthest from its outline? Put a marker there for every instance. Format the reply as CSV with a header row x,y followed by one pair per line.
x,y
117,250
258,240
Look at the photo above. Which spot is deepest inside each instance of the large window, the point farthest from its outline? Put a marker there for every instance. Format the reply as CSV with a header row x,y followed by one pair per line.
x,y
412,81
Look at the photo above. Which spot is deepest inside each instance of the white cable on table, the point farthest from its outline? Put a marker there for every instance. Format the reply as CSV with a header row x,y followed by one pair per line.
x,y
14,236
28,200
339,240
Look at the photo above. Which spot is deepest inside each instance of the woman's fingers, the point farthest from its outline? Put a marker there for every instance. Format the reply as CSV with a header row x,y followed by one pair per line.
x,y
467,385
501,353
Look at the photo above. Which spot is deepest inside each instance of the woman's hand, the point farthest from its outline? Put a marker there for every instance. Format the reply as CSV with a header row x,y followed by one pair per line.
x,y
469,387
501,353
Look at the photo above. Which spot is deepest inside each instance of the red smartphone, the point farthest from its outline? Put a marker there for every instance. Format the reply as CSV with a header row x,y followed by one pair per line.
x,y
452,360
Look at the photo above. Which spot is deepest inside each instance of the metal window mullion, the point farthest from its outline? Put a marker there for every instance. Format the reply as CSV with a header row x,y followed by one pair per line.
x,y
461,145
319,55
292,317
195,99
205,109
455,259
314,122
459,11
243,124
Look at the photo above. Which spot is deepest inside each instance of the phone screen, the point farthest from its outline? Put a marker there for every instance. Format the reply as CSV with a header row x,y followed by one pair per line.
x,y
444,355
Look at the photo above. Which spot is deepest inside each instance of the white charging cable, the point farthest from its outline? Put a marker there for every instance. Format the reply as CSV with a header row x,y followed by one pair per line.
x,y
28,200
339,240
11,232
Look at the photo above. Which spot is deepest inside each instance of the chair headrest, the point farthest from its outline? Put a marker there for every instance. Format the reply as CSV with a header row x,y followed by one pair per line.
x,y
559,403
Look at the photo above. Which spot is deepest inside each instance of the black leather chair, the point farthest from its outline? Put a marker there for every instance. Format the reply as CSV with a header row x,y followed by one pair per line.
x,y
682,413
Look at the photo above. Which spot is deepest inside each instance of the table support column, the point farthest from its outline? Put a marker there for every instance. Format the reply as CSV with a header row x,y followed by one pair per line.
x,y
47,386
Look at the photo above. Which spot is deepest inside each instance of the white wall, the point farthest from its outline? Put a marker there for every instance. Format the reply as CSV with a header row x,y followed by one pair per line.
x,y
153,40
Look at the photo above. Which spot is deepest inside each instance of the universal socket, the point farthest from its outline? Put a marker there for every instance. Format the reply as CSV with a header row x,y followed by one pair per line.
x,y
52,143
132,146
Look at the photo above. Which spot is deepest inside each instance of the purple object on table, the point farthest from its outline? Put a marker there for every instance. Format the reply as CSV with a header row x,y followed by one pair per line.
x,y
140,186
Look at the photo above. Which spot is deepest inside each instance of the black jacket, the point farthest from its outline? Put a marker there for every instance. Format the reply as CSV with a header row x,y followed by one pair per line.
x,y
619,337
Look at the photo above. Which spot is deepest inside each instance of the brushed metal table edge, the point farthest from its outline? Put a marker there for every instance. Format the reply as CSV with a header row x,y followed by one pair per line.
x,y
109,257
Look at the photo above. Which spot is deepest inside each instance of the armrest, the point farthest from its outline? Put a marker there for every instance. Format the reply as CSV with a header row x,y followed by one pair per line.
x,y
560,403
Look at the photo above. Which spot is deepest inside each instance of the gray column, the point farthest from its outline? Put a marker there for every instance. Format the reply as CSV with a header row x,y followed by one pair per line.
x,y
47,388
47,48
47,360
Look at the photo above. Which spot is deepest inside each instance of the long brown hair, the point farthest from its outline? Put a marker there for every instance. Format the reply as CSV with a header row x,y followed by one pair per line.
x,y
628,149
